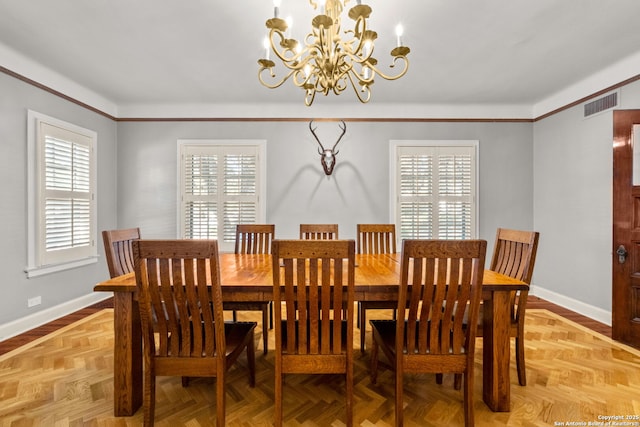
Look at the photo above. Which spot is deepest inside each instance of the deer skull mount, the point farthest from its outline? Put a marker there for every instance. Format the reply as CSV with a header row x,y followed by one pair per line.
x,y
328,156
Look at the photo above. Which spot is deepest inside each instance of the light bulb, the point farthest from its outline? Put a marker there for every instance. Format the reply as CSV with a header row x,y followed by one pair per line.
x,y
399,31
321,4
276,8
367,48
289,22
267,47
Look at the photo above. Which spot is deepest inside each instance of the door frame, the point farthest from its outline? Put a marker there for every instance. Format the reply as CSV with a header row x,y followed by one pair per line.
x,y
626,231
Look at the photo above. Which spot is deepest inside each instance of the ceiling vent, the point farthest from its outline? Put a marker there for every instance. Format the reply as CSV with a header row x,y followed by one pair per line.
x,y
604,103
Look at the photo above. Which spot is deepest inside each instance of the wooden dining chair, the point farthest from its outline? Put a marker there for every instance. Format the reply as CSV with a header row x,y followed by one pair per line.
x,y
313,290
438,280
319,231
514,255
374,239
118,250
254,239
183,327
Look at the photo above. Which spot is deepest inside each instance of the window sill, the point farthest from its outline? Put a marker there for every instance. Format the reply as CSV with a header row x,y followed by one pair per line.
x,y
48,269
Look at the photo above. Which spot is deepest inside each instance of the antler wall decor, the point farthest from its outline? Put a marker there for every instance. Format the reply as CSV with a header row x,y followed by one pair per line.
x,y
328,156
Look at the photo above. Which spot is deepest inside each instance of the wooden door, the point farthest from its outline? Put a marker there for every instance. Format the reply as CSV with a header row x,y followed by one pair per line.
x,y
626,228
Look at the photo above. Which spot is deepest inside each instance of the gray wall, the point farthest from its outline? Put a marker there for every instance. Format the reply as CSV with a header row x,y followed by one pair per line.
x,y
553,176
297,189
572,170
56,289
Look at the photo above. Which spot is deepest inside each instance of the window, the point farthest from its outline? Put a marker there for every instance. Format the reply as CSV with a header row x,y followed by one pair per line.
x,y
434,189
221,185
62,199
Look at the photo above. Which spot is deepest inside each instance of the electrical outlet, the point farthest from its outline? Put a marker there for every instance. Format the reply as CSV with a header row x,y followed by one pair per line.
x,y
31,302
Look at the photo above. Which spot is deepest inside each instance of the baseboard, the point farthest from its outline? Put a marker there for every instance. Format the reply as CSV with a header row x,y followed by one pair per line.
x,y
40,318
572,304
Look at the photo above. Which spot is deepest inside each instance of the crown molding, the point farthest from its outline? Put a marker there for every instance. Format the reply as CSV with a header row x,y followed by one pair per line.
x,y
29,71
611,78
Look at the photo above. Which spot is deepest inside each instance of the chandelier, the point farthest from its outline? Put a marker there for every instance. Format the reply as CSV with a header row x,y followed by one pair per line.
x,y
328,60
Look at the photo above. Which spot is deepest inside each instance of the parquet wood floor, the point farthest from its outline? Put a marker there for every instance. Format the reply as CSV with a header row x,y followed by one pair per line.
x,y
575,375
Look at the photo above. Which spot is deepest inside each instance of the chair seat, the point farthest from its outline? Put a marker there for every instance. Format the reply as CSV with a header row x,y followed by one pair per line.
x,y
237,334
262,306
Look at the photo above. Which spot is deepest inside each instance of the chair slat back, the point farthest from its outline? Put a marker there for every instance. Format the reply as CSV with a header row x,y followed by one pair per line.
x,y
439,279
118,250
514,253
254,238
319,231
376,239
313,295
181,316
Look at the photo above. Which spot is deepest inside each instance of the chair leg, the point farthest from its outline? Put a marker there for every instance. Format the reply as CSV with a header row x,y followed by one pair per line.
x,y
522,374
270,314
265,327
278,399
235,316
438,378
349,387
362,319
399,407
469,418
149,398
457,381
374,361
220,398
251,361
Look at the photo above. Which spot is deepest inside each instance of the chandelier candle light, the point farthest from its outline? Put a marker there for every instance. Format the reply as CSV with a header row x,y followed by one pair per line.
x,y
326,62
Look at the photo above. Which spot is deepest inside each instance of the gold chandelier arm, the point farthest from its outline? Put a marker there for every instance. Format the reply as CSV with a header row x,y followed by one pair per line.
x,y
363,89
309,97
360,35
273,76
405,62
281,54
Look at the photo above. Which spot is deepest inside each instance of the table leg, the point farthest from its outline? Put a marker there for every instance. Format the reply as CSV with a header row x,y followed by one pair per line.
x,y
127,369
496,385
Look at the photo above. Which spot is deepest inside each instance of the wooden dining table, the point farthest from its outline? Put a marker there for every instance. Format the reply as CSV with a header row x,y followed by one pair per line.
x,y
248,278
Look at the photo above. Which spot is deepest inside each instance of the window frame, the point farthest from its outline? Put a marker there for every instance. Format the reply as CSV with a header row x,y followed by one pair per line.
x,y
39,260
394,146
261,181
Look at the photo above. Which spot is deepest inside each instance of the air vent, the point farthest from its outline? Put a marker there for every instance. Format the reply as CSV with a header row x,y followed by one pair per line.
x,y
607,102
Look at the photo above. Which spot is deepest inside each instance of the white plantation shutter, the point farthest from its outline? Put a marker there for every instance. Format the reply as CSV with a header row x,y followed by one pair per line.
x,y
63,195
455,197
416,195
240,192
200,195
435,191
220,187
67,212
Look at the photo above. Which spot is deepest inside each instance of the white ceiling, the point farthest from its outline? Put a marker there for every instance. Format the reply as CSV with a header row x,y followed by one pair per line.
x,y
144,53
